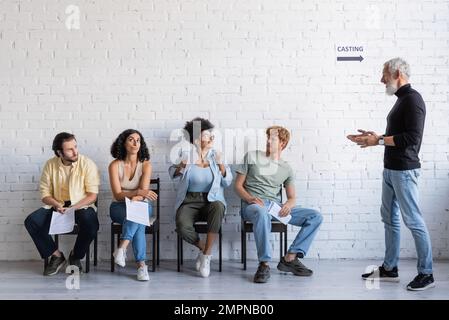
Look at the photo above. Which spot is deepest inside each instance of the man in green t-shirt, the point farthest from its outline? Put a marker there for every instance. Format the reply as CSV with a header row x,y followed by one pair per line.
x,y
259,183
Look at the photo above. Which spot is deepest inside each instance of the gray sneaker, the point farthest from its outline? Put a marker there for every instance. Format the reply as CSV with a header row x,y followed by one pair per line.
x,y
75,262
262,274
295,266
55,264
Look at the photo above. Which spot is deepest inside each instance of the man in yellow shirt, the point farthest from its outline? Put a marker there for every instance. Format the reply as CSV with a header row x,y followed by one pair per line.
x,y
68,180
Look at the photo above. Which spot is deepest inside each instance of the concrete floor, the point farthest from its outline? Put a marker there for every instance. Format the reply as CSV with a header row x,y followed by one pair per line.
x,y
332,279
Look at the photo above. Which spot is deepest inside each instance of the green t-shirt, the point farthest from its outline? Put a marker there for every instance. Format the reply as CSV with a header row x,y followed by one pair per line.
x,y
265,176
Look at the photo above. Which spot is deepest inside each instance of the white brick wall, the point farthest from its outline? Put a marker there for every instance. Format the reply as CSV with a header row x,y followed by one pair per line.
x,y
151,65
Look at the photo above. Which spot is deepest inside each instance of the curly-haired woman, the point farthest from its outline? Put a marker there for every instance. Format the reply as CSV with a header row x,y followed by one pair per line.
x,y
130,175
200,192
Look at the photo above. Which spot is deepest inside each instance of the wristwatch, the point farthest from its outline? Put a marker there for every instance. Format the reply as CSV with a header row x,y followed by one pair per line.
x,y
381,141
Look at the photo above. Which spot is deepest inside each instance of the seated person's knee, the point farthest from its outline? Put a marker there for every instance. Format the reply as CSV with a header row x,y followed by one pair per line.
x,y
318,217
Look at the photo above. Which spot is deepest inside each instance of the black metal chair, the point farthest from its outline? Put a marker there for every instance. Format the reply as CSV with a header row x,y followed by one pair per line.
x,y
75,232
154,229
200,227
276,227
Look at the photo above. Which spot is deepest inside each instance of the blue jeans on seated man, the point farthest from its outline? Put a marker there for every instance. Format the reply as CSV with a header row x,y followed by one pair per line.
x,y
400,193
132,231
308,219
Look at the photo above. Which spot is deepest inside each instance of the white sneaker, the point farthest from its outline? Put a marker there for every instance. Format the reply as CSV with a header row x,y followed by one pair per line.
x,y
205,265
142,273
120,256
198,261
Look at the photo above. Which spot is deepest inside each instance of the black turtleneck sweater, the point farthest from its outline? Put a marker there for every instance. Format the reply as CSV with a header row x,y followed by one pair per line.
x,y
405,123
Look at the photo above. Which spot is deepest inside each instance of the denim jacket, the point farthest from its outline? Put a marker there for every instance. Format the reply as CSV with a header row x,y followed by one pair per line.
x,y
216,192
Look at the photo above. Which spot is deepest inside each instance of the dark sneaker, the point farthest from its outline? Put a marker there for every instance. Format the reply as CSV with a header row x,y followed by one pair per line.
x,y
55,264
382,275
262,274
295,266
421,282
75,262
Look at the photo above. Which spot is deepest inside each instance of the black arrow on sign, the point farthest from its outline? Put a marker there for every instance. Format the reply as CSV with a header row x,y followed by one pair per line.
x,y
359,58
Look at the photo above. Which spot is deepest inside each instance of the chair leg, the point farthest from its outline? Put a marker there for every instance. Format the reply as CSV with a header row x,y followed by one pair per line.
x,y
242,238
244,250
88,259
96,250
220,251
285,242
112,251
154,252
281,244
181,243
158,246
179,254
56,238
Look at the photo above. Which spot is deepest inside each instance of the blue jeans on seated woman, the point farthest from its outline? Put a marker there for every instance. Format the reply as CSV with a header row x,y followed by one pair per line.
x,y
132,231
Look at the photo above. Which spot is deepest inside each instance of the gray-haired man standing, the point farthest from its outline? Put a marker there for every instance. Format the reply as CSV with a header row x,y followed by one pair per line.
x,y
402,141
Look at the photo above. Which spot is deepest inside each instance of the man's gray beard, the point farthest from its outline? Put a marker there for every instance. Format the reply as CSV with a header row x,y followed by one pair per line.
x,y
390,90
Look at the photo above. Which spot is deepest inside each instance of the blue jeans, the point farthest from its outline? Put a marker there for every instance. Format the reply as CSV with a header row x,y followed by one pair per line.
x,y
400,191
308,219
132,231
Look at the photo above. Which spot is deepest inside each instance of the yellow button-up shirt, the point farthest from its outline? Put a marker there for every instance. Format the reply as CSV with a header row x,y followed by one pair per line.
x,y
84,178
